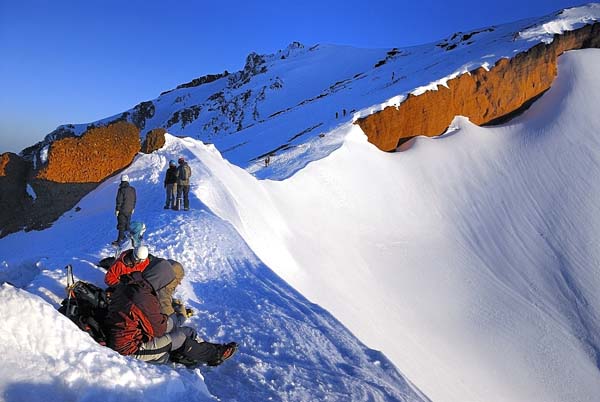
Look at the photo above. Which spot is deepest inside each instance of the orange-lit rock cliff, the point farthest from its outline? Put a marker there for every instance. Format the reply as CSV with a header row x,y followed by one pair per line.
x,y
485,97
74,167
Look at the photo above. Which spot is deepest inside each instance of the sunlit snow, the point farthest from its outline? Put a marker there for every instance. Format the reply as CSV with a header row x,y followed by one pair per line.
x,y
463,268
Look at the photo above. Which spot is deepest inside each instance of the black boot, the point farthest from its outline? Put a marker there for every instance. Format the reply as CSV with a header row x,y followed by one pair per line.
x,y
192,353
225,352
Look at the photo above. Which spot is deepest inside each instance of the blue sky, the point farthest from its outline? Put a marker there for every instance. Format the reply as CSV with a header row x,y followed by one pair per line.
x,y
73,61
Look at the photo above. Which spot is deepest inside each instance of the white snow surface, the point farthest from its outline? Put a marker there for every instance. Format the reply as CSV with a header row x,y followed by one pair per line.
x,y
469,260
31,192
566,20
463,268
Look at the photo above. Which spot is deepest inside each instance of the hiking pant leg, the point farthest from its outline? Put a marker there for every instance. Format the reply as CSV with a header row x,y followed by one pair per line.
x,y
155,351
186,193
179,195
199,351
173,194
123,224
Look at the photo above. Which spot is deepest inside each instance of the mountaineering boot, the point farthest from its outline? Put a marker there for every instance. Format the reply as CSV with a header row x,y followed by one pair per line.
x,y
166,207
224,353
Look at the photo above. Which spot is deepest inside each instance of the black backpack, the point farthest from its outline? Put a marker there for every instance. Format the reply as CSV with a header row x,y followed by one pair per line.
x,y
87,306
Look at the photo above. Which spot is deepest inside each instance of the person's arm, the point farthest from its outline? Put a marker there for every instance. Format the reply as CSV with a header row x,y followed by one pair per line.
x,y
113,274
119,202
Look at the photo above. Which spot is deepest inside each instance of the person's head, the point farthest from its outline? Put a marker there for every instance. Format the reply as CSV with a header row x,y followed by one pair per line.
x,y
171,163
124,178
159,273
181,160
140,254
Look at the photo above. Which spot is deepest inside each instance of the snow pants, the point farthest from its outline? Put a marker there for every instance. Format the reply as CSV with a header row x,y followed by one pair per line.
x,y
123,221
183,193
171,195
183,341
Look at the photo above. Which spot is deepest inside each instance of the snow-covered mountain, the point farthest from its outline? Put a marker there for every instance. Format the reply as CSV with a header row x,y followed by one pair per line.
x,y
463,268
290,100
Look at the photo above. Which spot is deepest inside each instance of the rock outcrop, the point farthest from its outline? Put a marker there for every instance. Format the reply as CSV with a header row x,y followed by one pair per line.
x,y
155,140
485,97
33,197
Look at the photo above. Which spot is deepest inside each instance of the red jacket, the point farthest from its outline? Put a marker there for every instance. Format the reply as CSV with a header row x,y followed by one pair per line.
x,y
122,266
133,315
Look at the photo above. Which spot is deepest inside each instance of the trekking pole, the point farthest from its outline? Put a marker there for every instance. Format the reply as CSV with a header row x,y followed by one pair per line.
x,y
70,285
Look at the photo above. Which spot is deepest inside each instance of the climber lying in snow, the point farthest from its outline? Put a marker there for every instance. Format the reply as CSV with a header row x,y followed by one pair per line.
x,y
134,325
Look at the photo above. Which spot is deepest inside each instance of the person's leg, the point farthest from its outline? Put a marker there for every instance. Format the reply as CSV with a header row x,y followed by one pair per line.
x,y
199,352
195,350
172,194
122,225
155,351
179,194
186,199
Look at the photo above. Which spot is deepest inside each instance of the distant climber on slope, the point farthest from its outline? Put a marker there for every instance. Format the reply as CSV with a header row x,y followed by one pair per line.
x,y
136,327
184,172
125,205
170,184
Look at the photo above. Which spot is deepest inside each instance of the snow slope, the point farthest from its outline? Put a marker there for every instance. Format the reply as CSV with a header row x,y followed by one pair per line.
x,y
290,101
470,259
290,349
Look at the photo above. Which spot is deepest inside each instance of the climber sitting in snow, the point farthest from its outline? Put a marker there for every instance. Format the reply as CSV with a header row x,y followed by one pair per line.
x,y
136,327
139,259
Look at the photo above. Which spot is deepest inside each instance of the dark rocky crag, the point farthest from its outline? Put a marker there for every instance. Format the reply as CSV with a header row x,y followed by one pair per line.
x,y
74,167
485,97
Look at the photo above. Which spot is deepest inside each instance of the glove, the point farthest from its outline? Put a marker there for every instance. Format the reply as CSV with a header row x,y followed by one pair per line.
x,y
181,309
117,213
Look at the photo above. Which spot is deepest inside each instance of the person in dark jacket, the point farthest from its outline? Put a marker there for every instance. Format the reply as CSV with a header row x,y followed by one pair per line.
x,y
125,206
184,172
136,327
171,185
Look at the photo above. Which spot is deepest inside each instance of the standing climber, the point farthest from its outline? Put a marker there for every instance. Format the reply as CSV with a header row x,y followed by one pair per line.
x,y
171,185
184,172
125,206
